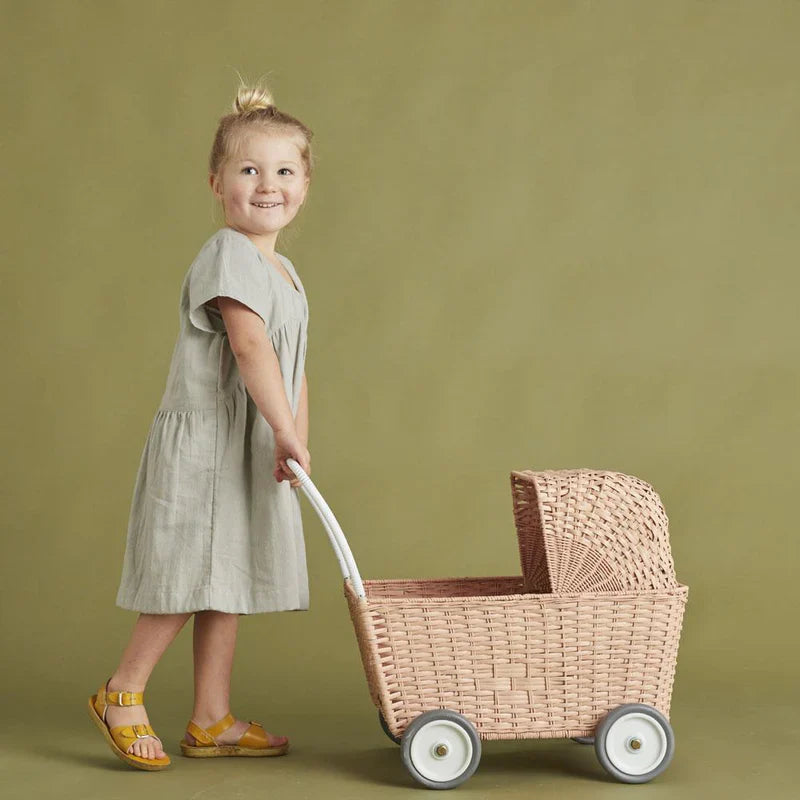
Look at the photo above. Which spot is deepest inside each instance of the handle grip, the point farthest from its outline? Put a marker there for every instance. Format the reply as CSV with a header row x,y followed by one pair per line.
x,y
337,538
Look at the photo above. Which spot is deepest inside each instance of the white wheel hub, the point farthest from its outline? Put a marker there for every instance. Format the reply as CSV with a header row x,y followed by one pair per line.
x,y
635,743
441,750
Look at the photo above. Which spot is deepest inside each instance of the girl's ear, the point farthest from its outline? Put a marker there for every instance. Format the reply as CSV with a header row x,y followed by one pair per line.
x,y
213,182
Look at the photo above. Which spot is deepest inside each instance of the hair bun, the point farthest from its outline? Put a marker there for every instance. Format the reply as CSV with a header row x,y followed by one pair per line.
x,y
251,98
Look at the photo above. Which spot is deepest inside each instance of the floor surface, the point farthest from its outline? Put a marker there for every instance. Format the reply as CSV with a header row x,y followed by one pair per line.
x,y
725,747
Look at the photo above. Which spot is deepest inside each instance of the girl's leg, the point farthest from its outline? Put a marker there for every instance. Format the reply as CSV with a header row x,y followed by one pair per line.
x,y
151,636
214,644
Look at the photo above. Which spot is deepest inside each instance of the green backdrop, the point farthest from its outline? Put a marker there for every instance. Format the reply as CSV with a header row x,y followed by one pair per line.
x,y
541,235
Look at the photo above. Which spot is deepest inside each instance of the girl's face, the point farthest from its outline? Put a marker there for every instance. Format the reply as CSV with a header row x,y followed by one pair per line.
x,y
263,186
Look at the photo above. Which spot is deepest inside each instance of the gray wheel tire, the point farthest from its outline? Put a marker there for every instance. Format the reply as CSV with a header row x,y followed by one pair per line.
x,y
583,739
421,726
395,739
603,746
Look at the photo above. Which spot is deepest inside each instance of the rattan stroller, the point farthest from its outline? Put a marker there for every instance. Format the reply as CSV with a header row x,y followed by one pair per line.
x,y
582,645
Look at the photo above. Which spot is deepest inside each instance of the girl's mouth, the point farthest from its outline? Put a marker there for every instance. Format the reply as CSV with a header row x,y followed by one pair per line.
x,y
266,205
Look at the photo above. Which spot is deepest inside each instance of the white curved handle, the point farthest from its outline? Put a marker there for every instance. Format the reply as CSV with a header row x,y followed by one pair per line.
x,y
337,538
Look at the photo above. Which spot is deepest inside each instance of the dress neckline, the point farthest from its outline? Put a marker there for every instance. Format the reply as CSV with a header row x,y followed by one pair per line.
x,y
293,288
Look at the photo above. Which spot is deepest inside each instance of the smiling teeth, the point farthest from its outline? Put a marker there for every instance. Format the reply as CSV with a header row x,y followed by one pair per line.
x,y
266,205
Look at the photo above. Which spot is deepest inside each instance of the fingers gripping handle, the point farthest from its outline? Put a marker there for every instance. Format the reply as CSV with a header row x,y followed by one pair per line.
x,y
337,538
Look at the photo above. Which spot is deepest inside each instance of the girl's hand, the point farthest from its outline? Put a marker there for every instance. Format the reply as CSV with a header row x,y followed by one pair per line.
x,y
294,482
288,445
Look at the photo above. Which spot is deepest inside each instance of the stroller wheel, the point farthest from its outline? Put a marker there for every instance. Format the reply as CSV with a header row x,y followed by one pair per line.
x,y
583,739
395,739
441,749
634,743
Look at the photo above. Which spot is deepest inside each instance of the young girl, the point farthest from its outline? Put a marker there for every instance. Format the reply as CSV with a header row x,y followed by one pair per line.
x,y
215,527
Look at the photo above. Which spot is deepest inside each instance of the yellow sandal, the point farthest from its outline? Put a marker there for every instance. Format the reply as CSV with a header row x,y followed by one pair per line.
x,y
121,737
255,741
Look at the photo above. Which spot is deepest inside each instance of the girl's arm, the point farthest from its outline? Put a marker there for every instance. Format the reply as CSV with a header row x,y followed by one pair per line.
x,y
301,421
258,363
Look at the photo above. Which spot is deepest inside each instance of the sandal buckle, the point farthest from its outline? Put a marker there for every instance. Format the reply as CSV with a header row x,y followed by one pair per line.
x,y
140,735
119,699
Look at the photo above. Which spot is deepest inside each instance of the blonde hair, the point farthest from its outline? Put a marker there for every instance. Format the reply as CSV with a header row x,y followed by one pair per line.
x,y
254,109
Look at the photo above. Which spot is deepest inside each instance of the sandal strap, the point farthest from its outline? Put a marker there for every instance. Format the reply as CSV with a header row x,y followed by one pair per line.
x,y
199,734
255,736
126,735
206,736
120,698
220,727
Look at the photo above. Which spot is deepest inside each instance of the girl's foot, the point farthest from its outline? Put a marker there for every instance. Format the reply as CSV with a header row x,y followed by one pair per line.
x,y
232,734
149,747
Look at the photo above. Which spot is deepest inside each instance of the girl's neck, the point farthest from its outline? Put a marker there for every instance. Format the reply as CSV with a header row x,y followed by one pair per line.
x,y
266,244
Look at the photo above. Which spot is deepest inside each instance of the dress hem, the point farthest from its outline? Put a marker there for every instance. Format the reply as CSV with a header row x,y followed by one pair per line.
x,y
204,607
205,599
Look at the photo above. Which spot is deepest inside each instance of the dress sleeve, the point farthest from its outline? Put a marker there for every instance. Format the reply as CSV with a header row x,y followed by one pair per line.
x,y
227,267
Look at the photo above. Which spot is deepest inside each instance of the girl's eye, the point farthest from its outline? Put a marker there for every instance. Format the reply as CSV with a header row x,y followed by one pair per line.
x,y
280,170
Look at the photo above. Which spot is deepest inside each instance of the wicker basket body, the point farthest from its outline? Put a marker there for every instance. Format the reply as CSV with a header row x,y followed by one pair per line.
x,y
517,657
518,666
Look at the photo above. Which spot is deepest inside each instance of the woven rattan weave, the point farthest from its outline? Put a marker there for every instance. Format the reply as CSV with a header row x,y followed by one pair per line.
x,y
592,623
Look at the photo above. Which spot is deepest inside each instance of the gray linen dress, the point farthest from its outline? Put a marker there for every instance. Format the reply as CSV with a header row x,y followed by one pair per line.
x,y
210,527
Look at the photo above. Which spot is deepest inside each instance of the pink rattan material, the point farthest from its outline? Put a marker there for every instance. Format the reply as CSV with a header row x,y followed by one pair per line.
x,y
543,662
586,530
